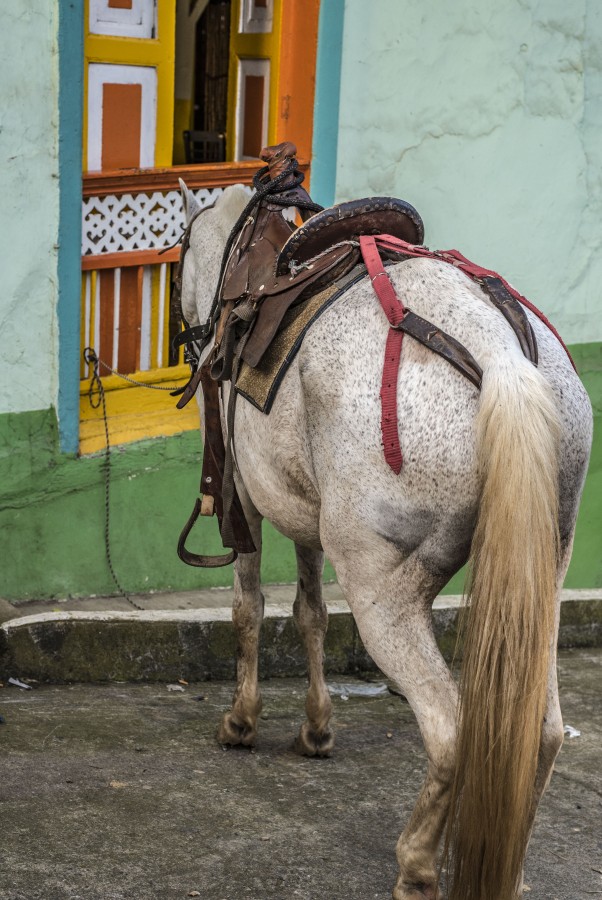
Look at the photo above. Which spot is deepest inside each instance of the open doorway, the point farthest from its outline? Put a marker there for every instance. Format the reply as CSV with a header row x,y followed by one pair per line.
x,y
201,80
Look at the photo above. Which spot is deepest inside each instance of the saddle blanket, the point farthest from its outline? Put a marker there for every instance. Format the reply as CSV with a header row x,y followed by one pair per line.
x,y
260,385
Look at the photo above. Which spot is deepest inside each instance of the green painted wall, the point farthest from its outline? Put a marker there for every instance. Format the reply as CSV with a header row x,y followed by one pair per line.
x,y
487,117
52,512
52,516
29,212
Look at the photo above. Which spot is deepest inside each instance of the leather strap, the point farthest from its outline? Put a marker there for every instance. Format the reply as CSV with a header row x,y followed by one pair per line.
x,y
190,389
236,535
404,320
479,274
514,314
395,312
444,344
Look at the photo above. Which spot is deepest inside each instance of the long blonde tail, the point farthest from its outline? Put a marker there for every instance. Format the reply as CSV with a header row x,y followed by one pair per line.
x,y
508,632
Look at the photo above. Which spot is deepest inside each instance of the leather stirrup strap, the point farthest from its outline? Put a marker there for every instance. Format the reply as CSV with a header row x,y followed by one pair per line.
x,y
236,534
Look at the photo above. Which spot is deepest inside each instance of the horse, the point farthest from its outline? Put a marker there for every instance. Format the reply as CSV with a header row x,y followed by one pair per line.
x,y
491,477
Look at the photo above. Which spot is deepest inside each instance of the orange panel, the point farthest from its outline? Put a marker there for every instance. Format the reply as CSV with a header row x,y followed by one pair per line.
x,y
298,48
121,121
120,4
107,294
130,304
253,115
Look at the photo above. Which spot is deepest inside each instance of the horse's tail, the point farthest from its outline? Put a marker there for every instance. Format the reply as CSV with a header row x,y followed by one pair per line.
x,y
508,633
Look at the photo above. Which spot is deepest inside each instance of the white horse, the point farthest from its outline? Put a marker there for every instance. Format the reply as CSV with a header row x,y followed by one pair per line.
x,y
493,476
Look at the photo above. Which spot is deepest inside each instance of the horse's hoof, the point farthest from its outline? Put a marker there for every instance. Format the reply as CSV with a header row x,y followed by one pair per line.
x,y
417,891
235,733
309,743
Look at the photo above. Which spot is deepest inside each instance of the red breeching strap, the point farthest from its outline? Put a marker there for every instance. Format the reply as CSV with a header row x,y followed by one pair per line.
x,y
394,311
473,270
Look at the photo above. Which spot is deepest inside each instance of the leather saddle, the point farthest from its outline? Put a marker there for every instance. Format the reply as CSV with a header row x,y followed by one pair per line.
x,y
274,265
267,267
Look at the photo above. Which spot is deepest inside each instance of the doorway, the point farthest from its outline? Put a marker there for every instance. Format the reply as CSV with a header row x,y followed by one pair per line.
x,y
202,61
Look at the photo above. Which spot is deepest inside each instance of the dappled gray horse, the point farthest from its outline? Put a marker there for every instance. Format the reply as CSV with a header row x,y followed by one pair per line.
x,y
493,476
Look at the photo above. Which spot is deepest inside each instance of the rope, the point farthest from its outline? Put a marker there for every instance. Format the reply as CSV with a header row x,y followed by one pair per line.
x,y
96,397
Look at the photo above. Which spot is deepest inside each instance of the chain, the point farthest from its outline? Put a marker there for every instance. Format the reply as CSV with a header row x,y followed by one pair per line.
x,y
96,397
95,361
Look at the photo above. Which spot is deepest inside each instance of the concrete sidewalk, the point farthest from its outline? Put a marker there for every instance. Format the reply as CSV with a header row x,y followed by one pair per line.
x,y
190,635
120,792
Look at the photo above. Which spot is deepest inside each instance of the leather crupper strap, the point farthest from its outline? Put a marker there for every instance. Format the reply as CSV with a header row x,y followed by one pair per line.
x,y
238,537
503,296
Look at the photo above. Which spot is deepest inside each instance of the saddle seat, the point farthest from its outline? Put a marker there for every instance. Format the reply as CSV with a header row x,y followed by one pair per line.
x,y
348,222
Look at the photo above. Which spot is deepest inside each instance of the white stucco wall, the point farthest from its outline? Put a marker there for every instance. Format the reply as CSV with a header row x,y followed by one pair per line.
x,y
487,116
29,204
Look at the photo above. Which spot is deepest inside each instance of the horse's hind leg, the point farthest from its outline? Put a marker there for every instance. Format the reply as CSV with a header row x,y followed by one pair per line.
x,y
239,725
311,618
391,603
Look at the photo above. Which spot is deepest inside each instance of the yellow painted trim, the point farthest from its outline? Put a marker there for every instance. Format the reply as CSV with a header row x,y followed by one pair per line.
x,y
183,121
85,110
82,327
94,276
124,51
232,80
166,74
166,299
133,415
158,53
275,72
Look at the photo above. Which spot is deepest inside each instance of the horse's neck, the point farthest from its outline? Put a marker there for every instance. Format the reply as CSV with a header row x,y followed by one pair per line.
x,y
210,241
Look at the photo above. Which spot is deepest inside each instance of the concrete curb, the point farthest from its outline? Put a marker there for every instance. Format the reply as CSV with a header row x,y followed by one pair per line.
x,y
199,644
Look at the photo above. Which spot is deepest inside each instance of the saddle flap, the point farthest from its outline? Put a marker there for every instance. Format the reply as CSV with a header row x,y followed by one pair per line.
x,y
348,221
287,290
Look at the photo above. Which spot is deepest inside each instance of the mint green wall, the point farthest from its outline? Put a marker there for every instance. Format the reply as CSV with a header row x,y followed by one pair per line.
x,y
487,117
29,211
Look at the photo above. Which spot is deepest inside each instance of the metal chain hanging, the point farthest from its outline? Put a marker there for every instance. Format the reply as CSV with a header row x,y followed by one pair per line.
x,y
96,398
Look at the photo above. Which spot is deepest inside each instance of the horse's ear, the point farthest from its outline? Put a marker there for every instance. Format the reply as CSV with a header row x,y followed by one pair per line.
x,y
189,201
